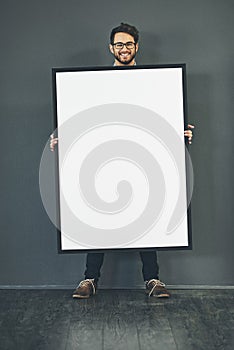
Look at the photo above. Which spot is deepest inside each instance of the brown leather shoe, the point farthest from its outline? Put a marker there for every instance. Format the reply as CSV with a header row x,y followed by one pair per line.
x,y
85,289
156,288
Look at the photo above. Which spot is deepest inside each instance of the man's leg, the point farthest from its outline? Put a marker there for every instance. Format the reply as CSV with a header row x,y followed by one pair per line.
x,y
88,286
150,270
94,263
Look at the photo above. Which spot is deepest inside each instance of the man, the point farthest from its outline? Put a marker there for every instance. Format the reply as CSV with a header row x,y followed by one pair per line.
x,y
124,46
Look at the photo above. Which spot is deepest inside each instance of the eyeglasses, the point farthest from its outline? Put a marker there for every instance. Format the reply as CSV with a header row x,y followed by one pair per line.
x,y
129,45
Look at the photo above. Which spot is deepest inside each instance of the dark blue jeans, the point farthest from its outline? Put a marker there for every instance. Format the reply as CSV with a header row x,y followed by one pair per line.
x,y
150,267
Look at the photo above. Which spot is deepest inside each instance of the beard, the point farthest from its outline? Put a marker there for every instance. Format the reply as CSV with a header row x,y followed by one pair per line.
x,y
121,59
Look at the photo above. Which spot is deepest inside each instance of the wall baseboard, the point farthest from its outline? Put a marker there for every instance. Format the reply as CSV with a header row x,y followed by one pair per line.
x,y
53,286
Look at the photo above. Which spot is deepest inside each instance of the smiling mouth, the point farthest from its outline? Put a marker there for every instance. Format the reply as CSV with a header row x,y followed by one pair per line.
x,y
124,55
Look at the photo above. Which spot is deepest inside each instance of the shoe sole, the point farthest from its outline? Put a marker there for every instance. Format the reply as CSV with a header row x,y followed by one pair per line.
x,y
161,296
158,296
81,297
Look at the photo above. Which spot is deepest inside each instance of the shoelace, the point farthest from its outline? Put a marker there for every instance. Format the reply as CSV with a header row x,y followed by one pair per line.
x,y
156,283
87,282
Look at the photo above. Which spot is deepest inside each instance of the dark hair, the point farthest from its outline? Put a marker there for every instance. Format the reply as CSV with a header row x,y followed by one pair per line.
x,y
125,28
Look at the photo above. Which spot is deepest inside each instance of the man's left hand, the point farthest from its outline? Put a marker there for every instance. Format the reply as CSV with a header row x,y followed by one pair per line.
x,y
189,133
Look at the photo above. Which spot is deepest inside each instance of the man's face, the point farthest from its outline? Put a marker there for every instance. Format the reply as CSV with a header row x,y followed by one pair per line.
x,y
124,56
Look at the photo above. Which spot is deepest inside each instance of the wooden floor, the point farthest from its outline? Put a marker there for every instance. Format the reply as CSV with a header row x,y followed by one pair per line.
x,y
116,319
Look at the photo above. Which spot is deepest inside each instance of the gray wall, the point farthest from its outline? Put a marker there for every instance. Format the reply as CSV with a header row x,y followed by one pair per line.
x,y
38,35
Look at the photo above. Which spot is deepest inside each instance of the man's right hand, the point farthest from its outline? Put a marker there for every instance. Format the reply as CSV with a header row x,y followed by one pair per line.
x,y
53,142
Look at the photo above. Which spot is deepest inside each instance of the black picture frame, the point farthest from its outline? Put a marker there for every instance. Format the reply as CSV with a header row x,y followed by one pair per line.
x,y
70,70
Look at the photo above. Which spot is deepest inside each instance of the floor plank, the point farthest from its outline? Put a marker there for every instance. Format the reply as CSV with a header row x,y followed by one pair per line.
x,y
120,331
